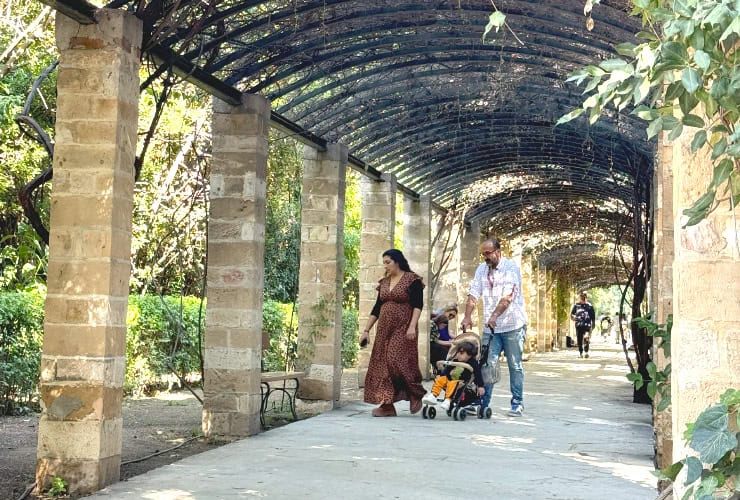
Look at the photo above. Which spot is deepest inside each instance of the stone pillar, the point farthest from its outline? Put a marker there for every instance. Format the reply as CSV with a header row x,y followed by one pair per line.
x,y
236,246
563,310
542,326
705,341
662,284
84,351
321,283
378,230
469,262
417,247
552,307
446,263
529,291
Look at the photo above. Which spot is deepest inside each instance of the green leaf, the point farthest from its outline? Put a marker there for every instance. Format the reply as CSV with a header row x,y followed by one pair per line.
x,y
652,388
702,59
646,113
674,53
665,402
720,87
654,127
719,148
711,444
721,173
671,471
676,132
712,418
687,102
730,397
626,49
717,14
733,28
707,486
613,64
700,138
693,121
693,469
495,21
691,79
674,91
636,379
699,210
570,116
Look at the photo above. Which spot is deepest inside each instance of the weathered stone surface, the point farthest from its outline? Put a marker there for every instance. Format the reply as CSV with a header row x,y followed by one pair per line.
x,y
372,246
322,267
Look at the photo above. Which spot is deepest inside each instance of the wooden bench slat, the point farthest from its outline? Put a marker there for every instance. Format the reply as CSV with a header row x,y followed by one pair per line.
x,y
278,376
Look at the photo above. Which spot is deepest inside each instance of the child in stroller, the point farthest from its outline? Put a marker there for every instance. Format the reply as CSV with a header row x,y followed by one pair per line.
x,y
461,379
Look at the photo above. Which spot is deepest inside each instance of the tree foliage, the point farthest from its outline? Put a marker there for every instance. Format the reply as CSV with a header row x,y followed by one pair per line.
x,y
26,48
682,78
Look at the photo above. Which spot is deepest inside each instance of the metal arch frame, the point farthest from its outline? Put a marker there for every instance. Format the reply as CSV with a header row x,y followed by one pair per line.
x,y
234,35
281,58
380,63
463,99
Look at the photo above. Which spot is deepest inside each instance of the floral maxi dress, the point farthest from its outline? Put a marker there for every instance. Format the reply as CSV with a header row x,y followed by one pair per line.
x,y
393,372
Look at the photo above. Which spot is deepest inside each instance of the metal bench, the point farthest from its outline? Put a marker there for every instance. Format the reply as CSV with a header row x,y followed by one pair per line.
x,y
268,382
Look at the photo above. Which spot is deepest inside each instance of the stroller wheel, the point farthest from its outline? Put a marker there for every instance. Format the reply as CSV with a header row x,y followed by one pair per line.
x,y
462,414
432,412
424,412
489,413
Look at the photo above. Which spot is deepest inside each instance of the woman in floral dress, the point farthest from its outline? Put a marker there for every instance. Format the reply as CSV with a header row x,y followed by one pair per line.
x,y
393,372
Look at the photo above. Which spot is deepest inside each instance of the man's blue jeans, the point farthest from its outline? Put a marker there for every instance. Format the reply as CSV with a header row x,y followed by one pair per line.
x,y
512,344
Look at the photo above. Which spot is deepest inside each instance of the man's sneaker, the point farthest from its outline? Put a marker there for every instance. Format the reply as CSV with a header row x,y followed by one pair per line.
x,y
580,354
516,411
429,399
586,356
445,405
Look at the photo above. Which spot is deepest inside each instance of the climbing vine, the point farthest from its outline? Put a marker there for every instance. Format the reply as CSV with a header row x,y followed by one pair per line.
x,y
322,317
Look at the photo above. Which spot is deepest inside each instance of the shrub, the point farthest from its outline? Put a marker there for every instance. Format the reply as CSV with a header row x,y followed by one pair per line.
x,y
276,325
21,327
162,337
350,346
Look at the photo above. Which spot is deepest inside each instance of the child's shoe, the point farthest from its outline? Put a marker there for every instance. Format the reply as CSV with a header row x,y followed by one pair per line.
x,y
429,399
445,405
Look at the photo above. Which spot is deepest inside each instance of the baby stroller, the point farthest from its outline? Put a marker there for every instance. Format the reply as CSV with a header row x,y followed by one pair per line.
x,y
464,400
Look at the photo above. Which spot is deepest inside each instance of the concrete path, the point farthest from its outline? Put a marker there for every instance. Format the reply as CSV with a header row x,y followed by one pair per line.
x,y
581,437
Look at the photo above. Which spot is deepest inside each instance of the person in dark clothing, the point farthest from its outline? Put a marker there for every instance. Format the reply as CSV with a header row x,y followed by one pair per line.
x,y
584,318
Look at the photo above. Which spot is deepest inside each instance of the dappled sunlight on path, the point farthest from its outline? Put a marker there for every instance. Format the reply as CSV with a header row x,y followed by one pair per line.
x,y
581,438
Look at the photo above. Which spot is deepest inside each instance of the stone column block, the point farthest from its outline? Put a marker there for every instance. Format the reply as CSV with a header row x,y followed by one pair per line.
x,y
417,247
529,291
236,246
378,231
705,340
469,261
320,292
84,350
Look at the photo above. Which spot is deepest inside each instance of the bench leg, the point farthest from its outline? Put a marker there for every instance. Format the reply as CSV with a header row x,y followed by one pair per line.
x,y
266,390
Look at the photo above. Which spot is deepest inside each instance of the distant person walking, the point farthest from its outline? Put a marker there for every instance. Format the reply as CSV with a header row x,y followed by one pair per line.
x,y
584,318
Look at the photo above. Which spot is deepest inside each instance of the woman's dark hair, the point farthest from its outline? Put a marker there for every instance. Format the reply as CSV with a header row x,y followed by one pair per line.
x,y
397,257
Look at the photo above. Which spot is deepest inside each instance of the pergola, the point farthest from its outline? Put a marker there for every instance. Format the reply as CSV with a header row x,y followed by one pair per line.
x,y
413,89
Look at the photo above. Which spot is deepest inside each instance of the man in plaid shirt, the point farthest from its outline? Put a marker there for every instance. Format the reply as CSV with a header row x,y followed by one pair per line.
x,y
498,281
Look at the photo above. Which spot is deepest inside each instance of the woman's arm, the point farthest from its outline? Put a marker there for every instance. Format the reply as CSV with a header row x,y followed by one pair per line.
x,y
416,299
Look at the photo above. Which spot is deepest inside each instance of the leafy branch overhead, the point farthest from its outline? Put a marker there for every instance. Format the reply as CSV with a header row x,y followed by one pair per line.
x,y
682,78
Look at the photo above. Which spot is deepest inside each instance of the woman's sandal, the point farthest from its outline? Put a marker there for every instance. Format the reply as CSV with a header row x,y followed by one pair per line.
x,y
384,410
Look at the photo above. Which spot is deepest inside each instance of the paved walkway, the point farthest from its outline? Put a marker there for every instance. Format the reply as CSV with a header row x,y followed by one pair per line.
x,y
581,437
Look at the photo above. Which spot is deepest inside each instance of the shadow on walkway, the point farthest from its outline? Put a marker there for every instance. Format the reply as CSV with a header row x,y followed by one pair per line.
x,y
581,437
